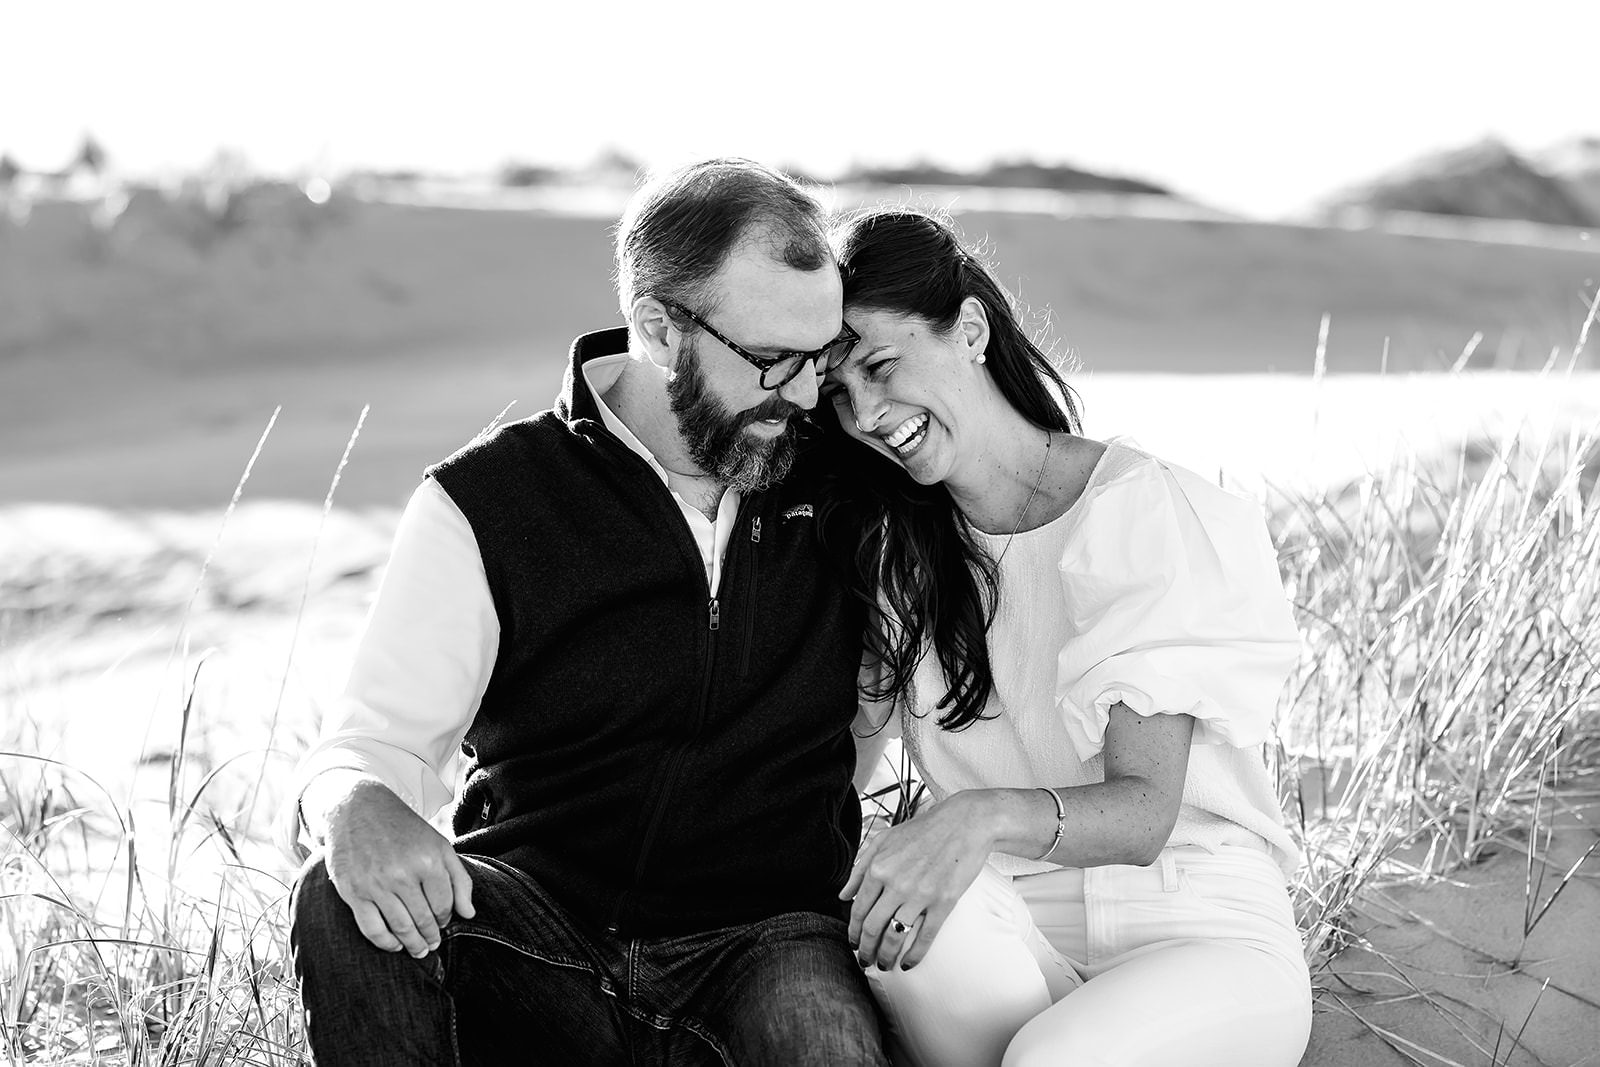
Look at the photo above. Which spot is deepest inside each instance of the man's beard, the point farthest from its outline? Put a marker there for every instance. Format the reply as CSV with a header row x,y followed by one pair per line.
x,y
717,439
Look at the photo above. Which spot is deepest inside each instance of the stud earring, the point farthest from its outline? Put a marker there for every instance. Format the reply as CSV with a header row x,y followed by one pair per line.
x,y
979,358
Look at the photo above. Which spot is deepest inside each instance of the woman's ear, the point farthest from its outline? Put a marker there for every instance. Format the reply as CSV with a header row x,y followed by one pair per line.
x,y
974,327
652,330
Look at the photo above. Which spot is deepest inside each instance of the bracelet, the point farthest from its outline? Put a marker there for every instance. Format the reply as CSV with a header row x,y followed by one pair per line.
x,y
1061,822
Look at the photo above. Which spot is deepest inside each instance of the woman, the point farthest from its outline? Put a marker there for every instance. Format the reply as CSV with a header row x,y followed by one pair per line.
x,y
1083,648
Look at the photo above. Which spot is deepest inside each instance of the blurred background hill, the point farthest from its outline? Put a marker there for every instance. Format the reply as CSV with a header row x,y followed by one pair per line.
x,y
1490,181
154,326
211,211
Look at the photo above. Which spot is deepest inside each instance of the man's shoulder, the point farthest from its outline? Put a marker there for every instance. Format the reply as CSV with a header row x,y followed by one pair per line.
x,y
502,446
817,454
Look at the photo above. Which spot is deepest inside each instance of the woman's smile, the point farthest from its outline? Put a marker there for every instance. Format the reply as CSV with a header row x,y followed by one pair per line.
x,y
908,436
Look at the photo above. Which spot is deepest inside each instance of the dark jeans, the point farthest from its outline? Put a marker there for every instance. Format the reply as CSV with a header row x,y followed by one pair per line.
x,y
521,983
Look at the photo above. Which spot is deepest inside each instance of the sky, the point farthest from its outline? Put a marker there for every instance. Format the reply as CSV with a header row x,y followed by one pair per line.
x,y
1255,107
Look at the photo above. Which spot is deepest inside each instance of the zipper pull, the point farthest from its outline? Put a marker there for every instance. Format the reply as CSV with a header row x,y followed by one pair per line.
x,y
715,613
755,530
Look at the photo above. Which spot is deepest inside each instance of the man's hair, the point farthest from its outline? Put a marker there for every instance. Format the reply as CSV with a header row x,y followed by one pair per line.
x,y
680,228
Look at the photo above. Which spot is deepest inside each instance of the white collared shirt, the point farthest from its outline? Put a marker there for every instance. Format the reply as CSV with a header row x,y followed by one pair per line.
x,y
424,660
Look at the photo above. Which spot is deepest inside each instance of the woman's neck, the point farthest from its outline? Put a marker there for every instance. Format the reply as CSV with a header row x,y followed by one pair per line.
x,y
993,488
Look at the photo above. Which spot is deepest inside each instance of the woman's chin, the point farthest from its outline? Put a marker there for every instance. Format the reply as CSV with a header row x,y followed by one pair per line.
x,y
914,464
919,465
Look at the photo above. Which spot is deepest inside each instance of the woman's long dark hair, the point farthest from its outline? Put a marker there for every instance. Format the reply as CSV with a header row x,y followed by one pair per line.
x,y
914,553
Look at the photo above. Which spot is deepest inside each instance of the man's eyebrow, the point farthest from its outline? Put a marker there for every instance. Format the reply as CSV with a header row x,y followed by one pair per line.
x,y
776,350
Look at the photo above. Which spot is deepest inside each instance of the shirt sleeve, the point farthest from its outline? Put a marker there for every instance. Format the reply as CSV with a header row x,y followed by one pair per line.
x,y
419,670
1175,606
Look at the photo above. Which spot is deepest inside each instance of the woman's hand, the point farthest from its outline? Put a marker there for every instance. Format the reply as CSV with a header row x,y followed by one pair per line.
x,y
915,872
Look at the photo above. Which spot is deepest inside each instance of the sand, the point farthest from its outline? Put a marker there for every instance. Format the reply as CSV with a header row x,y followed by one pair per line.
x,y
1449,971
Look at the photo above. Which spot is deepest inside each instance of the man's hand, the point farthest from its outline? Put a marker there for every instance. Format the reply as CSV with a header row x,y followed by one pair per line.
x,y
400,876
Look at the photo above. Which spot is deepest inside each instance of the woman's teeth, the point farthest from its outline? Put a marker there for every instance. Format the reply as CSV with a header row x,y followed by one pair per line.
x,y
908,435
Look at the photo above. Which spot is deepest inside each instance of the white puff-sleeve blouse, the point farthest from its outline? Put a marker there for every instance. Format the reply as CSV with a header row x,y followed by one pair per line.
x,y
1156,589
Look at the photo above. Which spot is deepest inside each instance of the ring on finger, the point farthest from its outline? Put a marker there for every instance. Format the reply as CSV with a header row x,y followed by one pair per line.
x,y
897,926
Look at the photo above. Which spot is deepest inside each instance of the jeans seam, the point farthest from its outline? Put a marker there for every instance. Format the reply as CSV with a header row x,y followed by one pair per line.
x,y
553,960
665,1023
1093,928
455,1040
704,1034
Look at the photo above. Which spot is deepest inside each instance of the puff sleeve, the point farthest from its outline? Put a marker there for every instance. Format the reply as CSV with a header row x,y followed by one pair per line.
x,y
1175,606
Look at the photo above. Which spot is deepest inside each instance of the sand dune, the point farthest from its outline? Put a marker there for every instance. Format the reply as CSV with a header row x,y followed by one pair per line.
x,y
140,361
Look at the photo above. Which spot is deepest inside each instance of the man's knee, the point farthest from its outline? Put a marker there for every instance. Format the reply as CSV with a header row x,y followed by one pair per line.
x,y
803,1000
319,919
843,1031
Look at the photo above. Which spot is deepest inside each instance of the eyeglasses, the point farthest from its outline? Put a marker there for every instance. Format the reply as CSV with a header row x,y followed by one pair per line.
x,y
779,370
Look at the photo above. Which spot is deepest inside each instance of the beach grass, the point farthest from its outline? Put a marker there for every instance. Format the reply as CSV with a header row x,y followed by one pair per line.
x,y
1450,688
1451,679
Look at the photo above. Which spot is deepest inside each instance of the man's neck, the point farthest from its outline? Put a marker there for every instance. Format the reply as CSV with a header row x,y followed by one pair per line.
x,y
639,399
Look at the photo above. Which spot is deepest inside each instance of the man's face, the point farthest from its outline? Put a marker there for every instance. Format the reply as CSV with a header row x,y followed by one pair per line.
x,y
736,431
745,450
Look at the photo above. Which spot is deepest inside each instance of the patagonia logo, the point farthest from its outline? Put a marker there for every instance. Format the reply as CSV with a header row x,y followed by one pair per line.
x,y
799,511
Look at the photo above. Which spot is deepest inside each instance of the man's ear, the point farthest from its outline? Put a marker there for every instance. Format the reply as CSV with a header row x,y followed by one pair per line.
x,y
652,329
974,326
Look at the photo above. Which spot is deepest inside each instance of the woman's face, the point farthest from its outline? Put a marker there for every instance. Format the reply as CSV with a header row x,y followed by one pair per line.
x,y
911,392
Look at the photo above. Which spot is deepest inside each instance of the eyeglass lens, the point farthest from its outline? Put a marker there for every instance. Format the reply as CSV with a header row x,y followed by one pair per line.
x,y
781,374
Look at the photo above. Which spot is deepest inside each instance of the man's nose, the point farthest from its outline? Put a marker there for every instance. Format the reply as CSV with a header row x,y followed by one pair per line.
x,y
801,390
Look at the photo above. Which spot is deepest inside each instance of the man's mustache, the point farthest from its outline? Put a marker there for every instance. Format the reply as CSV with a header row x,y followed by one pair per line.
x,y
774,407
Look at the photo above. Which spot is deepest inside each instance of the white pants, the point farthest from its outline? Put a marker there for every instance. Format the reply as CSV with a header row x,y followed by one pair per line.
x,y
1191,961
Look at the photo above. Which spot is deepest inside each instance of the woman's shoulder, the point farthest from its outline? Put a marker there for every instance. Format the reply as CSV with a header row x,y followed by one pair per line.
x,y
1107,476
1143,510
1120,459
1135,474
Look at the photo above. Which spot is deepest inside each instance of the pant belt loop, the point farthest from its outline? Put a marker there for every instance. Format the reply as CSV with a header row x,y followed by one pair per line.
x,y
1169,872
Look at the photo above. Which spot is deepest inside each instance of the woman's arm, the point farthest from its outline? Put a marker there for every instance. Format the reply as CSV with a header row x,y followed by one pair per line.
x,y
1128,818
922,867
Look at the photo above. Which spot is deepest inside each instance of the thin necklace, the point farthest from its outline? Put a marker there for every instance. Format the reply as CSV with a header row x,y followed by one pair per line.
x,y
1043,463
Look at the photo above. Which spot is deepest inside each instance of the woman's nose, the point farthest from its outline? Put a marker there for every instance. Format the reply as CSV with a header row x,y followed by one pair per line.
x,y
868,413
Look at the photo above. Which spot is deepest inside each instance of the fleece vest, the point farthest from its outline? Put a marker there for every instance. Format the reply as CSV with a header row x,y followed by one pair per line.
x,y
660,760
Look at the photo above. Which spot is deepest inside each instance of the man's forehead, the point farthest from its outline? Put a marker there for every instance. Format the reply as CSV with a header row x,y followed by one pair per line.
x,y
776,305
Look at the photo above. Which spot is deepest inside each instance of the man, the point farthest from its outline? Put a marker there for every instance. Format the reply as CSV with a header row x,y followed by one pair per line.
x,y
616,611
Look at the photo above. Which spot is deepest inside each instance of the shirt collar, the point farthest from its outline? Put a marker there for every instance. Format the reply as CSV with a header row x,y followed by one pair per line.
x,y
600,374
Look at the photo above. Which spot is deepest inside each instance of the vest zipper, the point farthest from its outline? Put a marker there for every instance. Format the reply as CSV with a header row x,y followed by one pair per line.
x,y
675,763
750,599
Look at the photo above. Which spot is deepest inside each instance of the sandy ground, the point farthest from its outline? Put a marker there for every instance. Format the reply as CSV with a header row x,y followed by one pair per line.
x,y
139,366
1477,968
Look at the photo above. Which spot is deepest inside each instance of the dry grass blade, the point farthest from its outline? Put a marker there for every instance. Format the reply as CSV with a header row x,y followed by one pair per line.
x,y
305,593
